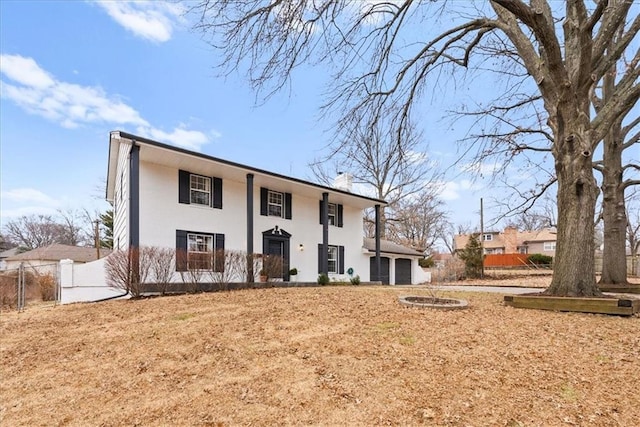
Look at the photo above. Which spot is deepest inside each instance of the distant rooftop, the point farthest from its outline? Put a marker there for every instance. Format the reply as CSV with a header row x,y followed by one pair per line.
x,y
57,252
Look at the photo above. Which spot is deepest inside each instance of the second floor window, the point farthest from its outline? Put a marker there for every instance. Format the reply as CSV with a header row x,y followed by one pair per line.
x,y
275,203
200,190
333,212
487,237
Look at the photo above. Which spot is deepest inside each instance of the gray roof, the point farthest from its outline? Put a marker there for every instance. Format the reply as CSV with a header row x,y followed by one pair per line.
x,y
9,252
389,247
57,252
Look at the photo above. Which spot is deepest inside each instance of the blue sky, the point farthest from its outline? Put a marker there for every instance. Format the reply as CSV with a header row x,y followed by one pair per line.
x,y
71,71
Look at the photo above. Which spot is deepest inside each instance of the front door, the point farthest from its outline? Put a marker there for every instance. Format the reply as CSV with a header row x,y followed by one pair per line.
x,y
275,247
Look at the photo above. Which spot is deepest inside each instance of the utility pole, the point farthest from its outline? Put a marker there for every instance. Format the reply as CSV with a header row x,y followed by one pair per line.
x,y
97,238
481,239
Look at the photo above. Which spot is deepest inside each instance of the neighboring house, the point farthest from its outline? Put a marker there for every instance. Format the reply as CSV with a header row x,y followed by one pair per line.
x,y
169,197
511,241
6,254
47,258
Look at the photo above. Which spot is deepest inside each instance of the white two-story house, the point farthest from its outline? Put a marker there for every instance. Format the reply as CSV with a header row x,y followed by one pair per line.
x,y
166,196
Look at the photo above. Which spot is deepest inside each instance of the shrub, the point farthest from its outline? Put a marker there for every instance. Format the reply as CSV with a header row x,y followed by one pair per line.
x,y
129,269
162,266
293,272
323,279
426,262
355,280
47,284
540,259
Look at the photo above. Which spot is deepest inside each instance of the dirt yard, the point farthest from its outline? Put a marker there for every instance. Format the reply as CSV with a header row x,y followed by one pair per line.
x,y
319,356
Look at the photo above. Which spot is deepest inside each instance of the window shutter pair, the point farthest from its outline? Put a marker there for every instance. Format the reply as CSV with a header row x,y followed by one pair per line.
x,y
339,214
340,259
181,250
184,189
264,203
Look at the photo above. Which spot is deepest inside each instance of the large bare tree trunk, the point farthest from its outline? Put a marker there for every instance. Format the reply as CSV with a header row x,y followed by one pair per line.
x,y
614,263
574,271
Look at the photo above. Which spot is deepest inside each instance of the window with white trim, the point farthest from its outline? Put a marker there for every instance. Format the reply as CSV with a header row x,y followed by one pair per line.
x,y
487,237
332,258
333,213
549,246
275,203
200,190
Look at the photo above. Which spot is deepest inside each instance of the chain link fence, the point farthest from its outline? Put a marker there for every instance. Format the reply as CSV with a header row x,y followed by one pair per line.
x,y
29,285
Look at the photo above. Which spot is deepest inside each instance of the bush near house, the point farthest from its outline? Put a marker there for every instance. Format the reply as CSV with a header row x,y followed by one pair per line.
x,y
540,259
426,262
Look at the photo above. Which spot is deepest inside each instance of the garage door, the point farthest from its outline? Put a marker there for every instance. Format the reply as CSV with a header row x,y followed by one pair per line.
x,y
384,267
403,271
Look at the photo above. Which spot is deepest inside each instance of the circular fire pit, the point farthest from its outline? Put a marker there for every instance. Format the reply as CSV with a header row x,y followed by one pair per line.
x,y
433,302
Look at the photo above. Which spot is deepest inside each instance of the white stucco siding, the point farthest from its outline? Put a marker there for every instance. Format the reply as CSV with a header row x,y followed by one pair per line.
x,y
305,229
161,214
121,199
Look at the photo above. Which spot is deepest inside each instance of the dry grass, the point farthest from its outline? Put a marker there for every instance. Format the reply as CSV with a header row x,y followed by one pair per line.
x,y
321,356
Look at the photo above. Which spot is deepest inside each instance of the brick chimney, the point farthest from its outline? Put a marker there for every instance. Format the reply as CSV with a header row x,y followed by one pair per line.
x,y
510,240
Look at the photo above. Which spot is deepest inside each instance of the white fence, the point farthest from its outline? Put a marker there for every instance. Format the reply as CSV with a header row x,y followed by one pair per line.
x,y
85,282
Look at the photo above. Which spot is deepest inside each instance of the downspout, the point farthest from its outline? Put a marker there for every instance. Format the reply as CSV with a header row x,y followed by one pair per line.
x,y
134,208
113,297
377,239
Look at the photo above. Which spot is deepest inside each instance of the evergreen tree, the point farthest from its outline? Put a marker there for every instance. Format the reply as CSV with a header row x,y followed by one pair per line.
x,y
472,257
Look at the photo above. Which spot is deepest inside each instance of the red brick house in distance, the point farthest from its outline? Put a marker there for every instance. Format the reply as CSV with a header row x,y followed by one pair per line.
x,y
512,241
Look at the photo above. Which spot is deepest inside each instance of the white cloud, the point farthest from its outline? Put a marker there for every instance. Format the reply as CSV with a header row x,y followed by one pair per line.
x,y
27,211
28,195
451,190
190,139
482,169
151,20
27,201
25,71
36,91
72,105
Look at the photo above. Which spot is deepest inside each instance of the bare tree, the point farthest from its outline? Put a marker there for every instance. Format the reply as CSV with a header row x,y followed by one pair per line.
x,y
391,166
383,65
35,231
418,222
633,231
617,178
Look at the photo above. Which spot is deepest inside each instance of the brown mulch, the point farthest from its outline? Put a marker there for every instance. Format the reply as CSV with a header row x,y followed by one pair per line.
x,y
319,356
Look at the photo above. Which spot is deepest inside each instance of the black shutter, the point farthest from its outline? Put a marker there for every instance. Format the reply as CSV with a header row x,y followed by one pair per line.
x,y
341,259
184,187
181,250
319,258
287,205
218,265
264,194
321,206
216,200
340,209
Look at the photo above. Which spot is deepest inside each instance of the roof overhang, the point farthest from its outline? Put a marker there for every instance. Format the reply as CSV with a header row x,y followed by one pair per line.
x,y
179,158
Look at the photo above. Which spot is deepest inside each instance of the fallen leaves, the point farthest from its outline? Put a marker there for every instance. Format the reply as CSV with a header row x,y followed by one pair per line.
x,y
330,356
